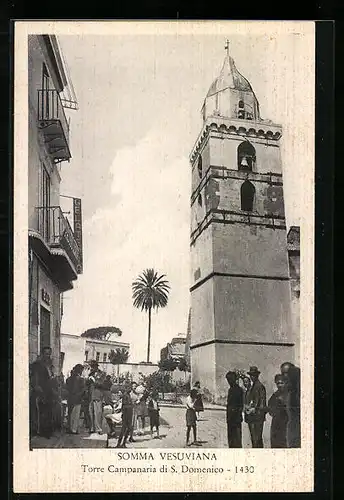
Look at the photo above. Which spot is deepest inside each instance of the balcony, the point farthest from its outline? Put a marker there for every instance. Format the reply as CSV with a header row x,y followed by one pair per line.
x,y
54,125
55,243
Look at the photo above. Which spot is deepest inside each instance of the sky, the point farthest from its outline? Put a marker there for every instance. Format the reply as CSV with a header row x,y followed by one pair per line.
x,y
140,100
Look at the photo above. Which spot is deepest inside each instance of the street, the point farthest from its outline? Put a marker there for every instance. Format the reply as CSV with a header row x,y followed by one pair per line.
x,y
211,430
211,433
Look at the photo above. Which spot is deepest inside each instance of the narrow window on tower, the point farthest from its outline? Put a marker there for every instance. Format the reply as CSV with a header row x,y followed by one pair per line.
x,y
241,110
200,168
246,156
247,196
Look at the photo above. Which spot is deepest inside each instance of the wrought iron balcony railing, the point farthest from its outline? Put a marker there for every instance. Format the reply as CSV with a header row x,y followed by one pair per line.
x,y
54,124
57,232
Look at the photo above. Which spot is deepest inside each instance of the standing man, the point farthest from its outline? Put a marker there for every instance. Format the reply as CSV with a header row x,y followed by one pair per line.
x,y
292,374
96,385
76,389
43,392
235,405
255,413
127,418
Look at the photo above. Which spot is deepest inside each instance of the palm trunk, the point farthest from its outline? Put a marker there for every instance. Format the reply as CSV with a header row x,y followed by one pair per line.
x,y
118,373
149,333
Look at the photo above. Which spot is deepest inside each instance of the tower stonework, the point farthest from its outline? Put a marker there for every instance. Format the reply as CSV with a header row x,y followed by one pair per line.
x,y
240,289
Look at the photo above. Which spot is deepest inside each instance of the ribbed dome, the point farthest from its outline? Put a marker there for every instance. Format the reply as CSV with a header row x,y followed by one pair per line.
x,y
229,78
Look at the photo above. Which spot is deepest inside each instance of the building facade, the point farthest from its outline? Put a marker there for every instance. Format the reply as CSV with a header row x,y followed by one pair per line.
x,y
99,350
76,349
240,291
293,242
176,350
55,248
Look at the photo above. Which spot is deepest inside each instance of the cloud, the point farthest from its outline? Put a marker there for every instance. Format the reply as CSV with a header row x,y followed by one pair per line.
x,y
145,224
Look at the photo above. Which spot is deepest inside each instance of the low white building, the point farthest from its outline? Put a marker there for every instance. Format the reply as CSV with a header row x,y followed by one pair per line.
x,y
76,349
72,352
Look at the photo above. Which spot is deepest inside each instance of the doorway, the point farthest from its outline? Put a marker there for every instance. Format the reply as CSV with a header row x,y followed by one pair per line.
x,y
44,328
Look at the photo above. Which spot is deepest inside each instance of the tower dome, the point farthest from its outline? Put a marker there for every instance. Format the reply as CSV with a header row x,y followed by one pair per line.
x,y
229,77
231,95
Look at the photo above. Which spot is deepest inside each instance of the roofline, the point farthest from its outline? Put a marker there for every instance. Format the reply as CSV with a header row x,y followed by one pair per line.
x,y
107,342
55,55
72,335
128,363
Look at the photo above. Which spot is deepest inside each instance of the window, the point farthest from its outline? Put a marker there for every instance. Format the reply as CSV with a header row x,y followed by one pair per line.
x,y
247,196
104,357
86,355
45,88
45,78
246,156
45,204
241,110
199,199
98,356
199,167
217,102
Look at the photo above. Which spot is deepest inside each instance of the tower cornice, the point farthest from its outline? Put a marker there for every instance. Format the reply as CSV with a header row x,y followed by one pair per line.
x,y
236,127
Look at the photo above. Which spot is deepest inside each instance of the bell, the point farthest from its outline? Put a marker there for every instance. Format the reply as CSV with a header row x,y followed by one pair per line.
x,y
244,162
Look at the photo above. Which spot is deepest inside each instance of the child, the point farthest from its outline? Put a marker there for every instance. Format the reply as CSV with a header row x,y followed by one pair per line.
x,y
199,401
191,416
114,418
153,412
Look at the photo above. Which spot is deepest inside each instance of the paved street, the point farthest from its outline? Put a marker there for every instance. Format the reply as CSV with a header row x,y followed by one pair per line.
x,y
64,440
212,433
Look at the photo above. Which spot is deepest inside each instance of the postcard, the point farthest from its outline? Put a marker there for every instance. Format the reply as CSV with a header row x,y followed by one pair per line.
x,y
163,256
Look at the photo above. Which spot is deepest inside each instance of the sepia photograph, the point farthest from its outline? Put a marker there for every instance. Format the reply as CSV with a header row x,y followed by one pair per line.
x,y
169,214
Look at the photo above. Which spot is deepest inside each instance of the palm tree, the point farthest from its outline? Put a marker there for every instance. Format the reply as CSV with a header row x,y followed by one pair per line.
x,y
150,291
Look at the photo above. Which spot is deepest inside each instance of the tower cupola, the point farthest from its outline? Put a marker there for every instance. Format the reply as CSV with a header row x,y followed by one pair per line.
x,y
231,95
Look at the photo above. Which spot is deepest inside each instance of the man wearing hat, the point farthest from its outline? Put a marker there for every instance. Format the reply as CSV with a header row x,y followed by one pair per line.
x,y
96,381
255,413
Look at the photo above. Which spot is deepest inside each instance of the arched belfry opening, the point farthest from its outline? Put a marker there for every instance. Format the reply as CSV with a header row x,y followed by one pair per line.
x,y
246,156
247,193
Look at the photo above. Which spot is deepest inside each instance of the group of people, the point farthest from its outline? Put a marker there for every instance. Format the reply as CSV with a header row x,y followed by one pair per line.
x,y
249,404
134,405
93,395
90,394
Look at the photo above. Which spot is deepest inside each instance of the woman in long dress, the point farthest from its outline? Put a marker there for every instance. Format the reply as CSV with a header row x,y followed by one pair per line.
x,y
277,407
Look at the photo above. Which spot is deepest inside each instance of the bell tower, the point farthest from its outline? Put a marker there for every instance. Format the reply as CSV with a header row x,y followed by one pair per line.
x,y
240,290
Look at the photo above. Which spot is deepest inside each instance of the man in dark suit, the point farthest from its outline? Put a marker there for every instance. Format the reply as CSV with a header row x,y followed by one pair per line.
x,y
235,404
256,408
42,376
292,373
